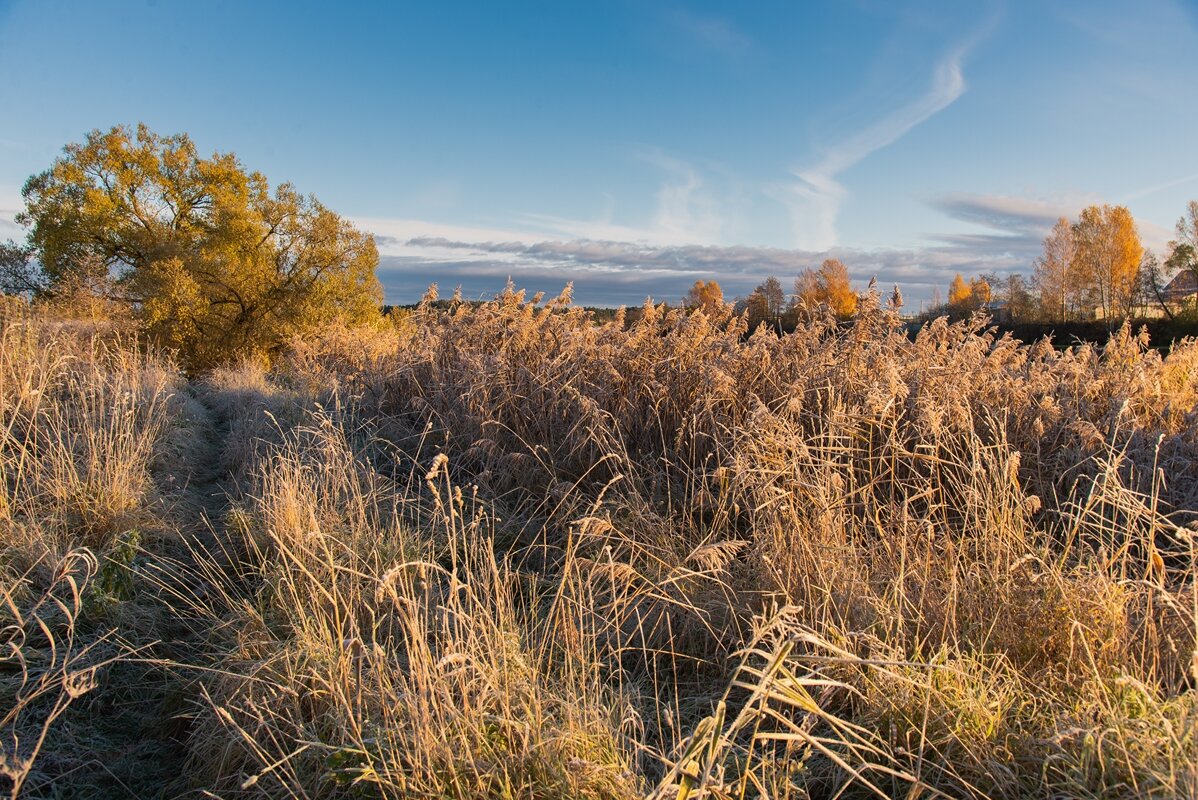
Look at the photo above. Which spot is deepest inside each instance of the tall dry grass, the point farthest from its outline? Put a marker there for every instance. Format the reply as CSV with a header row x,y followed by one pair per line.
x,y
505,552
675,559
87,421
382,645
81,416
49,661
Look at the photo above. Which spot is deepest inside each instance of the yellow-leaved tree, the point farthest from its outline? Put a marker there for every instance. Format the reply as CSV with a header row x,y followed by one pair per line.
x,y
1107,256
980,292
965,297
959,294
215,265
830,286
706,296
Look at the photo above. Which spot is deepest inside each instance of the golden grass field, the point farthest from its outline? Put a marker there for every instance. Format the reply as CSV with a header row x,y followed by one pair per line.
x,y
502,551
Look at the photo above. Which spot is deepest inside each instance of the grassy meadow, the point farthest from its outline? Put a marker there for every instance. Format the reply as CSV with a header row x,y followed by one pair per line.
x,y
509,551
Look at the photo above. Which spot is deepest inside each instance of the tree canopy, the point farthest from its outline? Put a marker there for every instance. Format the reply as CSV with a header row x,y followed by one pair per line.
x,y
1183,251
706,296
775,297
214,263
1108,253
958,292
1055,273
829,286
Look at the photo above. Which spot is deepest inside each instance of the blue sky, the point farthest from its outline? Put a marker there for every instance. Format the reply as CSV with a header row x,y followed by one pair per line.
x,y
633,147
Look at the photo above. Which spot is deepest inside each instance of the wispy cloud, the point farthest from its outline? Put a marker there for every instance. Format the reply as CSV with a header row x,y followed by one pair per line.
x,y
687,210
1127,26
815,198
1015,218
1158,187
395,232
713,33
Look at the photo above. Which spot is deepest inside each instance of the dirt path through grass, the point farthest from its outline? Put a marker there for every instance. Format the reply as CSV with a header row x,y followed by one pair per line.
x,y
135,727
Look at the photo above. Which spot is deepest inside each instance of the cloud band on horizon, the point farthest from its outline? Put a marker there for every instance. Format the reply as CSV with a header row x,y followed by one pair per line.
x,y
611,272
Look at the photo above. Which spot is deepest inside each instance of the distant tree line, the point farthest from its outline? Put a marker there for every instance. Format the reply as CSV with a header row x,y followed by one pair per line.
x,y
826,290
1093,269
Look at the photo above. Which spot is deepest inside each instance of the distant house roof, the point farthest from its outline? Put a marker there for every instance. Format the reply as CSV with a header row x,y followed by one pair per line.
x,y
1184,284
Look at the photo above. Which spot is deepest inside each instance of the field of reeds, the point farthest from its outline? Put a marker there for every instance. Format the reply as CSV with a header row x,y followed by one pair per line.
x,y
505,551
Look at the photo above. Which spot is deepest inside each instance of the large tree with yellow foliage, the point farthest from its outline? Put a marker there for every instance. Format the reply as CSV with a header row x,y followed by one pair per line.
x,y
706,296
965,297
829,286
959,294
1107,256
214,263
